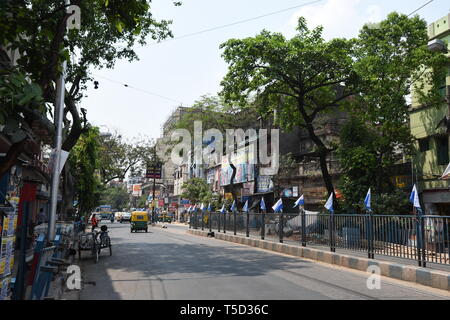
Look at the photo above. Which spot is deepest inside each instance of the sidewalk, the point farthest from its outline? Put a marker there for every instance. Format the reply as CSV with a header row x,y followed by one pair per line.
x,y
439,279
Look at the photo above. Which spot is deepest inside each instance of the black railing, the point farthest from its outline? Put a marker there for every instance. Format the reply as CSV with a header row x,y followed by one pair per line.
x,y
422,238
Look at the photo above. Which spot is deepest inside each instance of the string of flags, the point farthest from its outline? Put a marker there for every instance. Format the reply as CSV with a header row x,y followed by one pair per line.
x,y
329,205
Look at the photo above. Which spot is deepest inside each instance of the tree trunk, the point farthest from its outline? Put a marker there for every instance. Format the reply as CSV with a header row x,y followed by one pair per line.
x,y
327,179
68,192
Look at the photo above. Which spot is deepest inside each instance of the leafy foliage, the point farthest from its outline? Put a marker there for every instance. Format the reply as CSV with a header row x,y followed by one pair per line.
x,y
84,164
299,79
36,30
118,157
196,190
115,196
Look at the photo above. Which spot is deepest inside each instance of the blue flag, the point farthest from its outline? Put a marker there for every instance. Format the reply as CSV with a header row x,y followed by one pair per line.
x,y
209,207
329,204
223,210
300,202
233,206
367,201
278,207
245,209
414,198
263,205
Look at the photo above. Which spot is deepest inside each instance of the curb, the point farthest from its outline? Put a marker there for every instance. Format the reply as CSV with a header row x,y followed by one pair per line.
x,y
431,278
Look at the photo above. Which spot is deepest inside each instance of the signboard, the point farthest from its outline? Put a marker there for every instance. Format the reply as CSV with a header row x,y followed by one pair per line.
x,y
154,171
295,192
245,171
248,188
264,184
137,192
183,201
228,196
210,176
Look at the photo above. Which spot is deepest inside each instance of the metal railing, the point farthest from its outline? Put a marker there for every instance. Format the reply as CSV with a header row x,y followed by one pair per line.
x,y
421,238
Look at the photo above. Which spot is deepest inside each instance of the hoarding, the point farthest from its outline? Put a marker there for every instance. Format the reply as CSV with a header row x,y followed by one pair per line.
x,y
137,191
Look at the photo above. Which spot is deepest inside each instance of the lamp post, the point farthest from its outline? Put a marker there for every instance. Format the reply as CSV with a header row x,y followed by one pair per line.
x,y
59,113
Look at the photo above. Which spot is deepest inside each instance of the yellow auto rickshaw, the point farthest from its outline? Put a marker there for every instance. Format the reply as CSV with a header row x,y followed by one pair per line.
x,y
139,221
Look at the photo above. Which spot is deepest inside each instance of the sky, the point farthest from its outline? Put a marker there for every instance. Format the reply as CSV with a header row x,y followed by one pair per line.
x,y
180,71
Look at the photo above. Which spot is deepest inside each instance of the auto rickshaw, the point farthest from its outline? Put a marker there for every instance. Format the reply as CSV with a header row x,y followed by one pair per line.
x,y
139,221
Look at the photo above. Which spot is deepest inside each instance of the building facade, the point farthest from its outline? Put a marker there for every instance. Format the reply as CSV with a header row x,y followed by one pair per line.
x,y
431,147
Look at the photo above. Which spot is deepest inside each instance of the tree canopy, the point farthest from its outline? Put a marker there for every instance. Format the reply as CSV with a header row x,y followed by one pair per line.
x,y
306,78
37,30
84,166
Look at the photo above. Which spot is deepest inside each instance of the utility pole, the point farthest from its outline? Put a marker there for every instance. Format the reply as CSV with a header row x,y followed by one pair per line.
x,y
59,113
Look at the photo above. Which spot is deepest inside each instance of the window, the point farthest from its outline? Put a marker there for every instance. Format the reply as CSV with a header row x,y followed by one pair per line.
x,y
442,150
424,145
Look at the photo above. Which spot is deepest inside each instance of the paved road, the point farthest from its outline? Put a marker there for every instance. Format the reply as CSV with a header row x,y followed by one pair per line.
x,y
169,264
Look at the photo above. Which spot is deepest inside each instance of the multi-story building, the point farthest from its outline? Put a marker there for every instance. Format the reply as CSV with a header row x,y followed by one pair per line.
x,y
430,127
168,167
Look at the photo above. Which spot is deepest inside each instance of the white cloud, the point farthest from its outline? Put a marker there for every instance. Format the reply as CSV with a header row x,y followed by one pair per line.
x,y
340,18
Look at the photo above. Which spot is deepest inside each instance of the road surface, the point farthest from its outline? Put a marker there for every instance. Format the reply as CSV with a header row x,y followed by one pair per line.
x,y
168,264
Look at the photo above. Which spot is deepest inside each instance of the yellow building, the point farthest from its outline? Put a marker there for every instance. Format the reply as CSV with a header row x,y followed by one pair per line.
x,y
432,154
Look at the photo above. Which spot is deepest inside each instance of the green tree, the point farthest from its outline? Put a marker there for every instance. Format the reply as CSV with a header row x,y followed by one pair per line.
x,y
118,156
37,30
357,156
84,165
391,59
115,196
298,78
196,190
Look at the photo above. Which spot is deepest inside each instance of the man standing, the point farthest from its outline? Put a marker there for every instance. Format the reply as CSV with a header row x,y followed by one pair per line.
x,y
94,222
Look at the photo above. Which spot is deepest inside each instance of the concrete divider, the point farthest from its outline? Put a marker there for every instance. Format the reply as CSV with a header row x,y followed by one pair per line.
x,y
427,277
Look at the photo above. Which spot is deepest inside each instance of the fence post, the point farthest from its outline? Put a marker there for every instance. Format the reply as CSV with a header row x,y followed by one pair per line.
x,y
235,222
210,221
247,225
263,227
423,242
303,213
331,231
219,216
369,235
225,222
281,226
190,220
195,221
203,220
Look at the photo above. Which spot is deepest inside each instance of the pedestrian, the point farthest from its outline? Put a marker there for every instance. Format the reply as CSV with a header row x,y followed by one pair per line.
x,y
94,222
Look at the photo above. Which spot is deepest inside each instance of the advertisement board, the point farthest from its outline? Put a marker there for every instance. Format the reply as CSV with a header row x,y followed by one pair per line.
x,y
245,170
137,192
264,184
